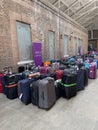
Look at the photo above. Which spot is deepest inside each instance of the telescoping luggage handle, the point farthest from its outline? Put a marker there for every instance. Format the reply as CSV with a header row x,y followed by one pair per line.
x,y
68,85
12,85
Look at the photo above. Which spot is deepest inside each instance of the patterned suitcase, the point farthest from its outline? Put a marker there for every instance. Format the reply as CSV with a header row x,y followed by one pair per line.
x,y
59,74
47,97
93,71
1,87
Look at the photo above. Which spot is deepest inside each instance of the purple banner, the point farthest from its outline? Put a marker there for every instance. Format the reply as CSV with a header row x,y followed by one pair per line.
x,y
37,53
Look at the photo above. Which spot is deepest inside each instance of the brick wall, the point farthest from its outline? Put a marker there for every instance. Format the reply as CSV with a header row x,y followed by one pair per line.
x,y
41,20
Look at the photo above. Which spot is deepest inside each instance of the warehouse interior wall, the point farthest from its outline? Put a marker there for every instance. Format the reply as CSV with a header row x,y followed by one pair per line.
x,y
41,20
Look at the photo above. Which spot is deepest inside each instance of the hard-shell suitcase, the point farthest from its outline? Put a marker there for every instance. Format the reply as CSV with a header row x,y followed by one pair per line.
x,y
93,71
58,90
43,70
59,74
24,90
69,85
35,93
1,87
96,61
47,97
12,91
80,80
85,75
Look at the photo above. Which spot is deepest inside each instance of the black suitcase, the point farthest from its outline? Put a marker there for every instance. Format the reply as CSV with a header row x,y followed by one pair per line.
x,y
58,90
80,80
12,91
12,78
34,92
69,85
85,76
25,92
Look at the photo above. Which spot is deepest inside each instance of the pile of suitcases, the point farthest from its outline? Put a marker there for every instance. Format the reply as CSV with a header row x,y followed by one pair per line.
x,y
42,86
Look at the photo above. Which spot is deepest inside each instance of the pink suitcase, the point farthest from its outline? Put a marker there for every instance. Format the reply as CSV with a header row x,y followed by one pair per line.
x,y
93,71
1,87
43,70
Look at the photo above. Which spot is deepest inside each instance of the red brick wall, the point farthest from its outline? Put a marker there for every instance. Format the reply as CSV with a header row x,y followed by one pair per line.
x,y
41,21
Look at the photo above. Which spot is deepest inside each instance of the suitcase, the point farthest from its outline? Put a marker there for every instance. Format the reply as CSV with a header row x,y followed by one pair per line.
x,y
25,74
21,69
55,66
12,78
96,61
43,70
87,65
47,97
59,74
80,80
58,90
93,71
34,93
1,87
24,90
12,91
85,75
69,85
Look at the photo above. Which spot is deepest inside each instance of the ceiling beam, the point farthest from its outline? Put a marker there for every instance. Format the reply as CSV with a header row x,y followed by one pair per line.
x,y
86,13
74,3
56,2
82,8
87,21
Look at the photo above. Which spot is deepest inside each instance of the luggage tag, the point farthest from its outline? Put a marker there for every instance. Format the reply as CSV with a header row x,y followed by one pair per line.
x,y
20,95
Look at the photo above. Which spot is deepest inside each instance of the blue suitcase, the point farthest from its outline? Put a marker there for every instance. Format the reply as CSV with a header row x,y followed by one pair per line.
x,y
96,63
24,90
80,80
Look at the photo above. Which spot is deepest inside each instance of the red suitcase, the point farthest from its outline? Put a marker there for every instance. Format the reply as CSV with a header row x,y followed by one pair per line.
x,y
59,74
1,87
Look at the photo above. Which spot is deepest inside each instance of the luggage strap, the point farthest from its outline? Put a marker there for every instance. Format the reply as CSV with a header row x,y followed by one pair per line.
x,y
68,85
12,85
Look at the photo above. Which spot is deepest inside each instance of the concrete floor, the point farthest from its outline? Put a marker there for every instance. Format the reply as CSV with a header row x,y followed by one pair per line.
x,y
78,113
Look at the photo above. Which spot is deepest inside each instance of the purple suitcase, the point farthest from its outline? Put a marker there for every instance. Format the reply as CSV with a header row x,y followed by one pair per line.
x,y
43,70
93,71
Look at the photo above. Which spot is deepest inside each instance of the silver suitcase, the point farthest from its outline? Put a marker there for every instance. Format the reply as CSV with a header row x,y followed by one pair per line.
x,y
47,97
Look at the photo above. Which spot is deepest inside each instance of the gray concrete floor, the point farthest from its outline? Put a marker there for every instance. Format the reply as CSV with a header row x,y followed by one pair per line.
x,y
78,113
